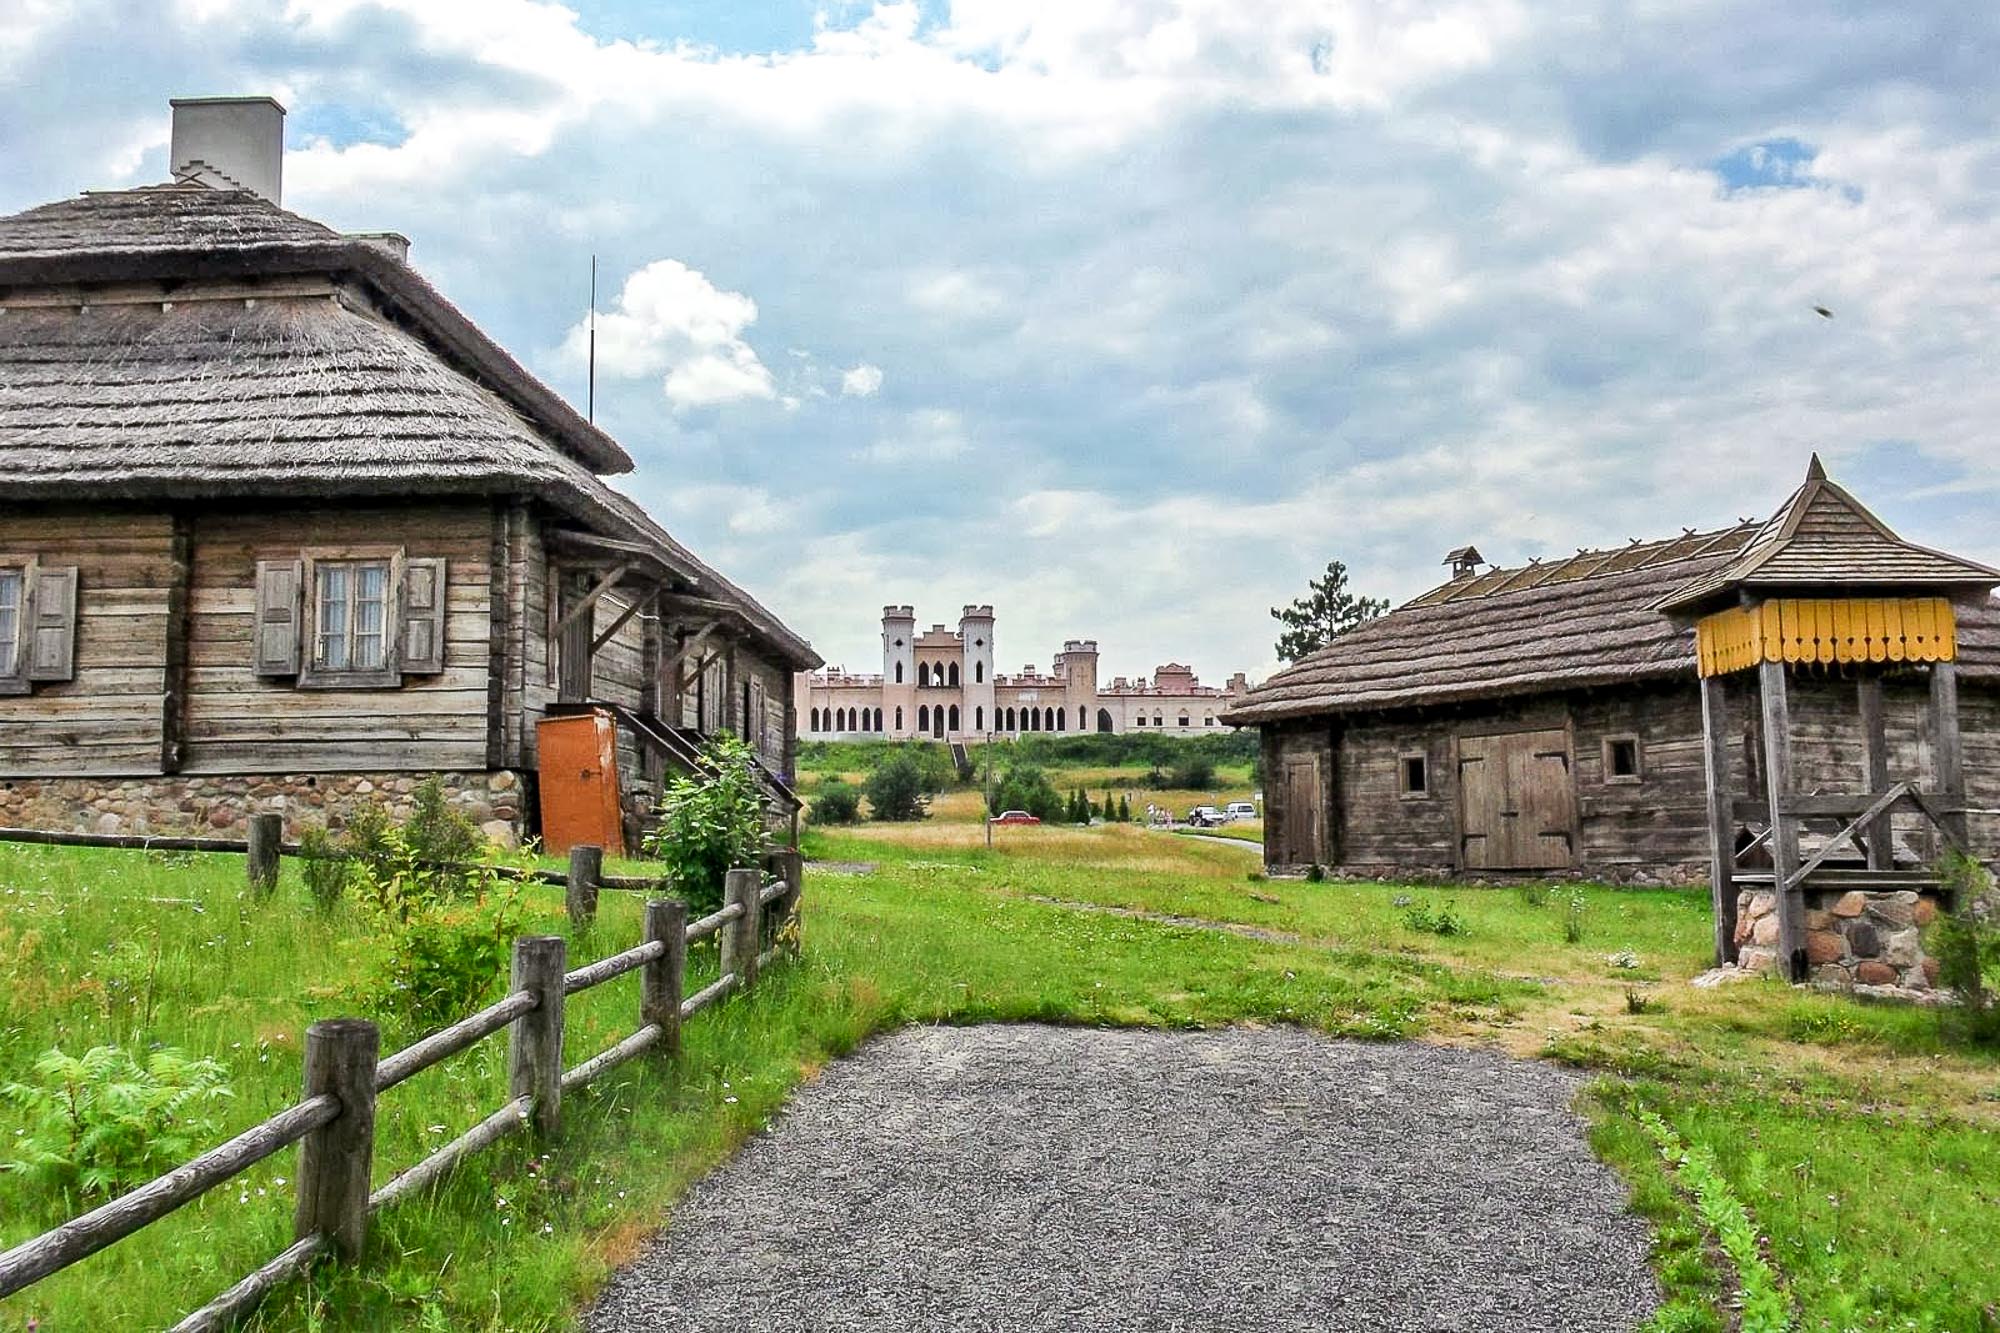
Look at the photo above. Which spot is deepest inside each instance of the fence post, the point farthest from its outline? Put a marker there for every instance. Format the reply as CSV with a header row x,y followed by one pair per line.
x,y
739,937
792,867
267,833
660,980
534,1043
336,1159
586,867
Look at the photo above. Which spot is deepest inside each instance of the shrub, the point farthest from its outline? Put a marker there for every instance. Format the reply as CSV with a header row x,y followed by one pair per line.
x,y
1573,910
836,803
1026,787
1315,873
898,789
1194,772
1535,895
1966,944
1641,1002
710,822
1435,921
1110,808
100,1124
1124,809
448,929
324,868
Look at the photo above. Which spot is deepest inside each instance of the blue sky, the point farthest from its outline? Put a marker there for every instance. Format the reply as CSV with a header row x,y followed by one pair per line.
x,y
1127,317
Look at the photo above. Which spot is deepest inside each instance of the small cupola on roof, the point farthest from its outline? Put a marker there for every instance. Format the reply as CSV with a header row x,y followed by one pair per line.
x,y
1464,561
230,143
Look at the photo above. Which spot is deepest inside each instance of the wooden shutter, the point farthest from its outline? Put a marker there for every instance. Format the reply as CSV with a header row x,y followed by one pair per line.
x,y
51,622
275,637
423,616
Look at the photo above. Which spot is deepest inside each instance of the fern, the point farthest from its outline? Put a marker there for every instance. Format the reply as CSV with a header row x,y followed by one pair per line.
x,y
103,1122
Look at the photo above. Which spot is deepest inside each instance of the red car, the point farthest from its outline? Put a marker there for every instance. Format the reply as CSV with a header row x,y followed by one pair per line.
x,y
1013,817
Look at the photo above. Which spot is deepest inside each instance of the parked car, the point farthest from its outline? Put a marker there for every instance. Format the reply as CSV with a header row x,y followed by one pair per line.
x,y
1240,810
1206,816
1014,817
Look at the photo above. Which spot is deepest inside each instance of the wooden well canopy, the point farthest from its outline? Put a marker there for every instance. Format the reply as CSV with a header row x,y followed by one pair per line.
x,y
1827,631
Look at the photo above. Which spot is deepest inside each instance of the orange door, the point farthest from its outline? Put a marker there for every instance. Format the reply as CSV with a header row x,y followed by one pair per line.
x,y
579,781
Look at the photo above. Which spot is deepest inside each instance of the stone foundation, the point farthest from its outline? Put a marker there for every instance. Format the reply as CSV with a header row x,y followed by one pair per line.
x,y
1635,874
1858,939
219,806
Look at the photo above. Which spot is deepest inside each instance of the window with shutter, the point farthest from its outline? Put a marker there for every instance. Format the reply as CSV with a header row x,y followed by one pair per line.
x,y
423,616
350,627
13,628
51,646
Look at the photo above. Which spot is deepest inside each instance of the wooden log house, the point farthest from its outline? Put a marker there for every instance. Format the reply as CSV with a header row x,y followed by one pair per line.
x,y
1804,713
280,526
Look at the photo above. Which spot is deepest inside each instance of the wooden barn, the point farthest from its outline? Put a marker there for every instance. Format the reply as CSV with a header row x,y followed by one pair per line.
x,y
281,528
1639,714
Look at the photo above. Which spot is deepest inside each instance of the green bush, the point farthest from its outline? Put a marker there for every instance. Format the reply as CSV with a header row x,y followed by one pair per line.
x,y
1193,772
710,822
1435,921
899,790
835,803
1026,787
324,867
1124,809
1966,944
103,1123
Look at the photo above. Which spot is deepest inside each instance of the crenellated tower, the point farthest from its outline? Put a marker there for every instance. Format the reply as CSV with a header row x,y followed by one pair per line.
x,y
975,631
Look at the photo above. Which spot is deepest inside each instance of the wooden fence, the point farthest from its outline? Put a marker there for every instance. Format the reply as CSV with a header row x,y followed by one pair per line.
x,y
334,1122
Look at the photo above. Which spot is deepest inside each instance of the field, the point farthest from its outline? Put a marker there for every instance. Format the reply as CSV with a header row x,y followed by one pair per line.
x,y
1861,1143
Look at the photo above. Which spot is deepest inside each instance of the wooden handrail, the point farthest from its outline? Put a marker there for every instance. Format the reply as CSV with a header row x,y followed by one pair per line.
x,y
1846,835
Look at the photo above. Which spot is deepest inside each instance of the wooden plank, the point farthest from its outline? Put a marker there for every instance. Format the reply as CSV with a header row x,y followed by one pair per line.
x,y
1875,767
1721,825
499,574
1947,748
1776,712
174,692
582,608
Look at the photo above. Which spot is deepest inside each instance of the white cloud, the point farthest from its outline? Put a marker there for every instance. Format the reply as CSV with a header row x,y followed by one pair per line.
x,y
932,434
670,318
861,381
954,294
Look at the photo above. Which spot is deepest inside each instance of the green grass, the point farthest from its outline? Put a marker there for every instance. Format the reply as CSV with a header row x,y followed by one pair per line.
x,y
1861,1144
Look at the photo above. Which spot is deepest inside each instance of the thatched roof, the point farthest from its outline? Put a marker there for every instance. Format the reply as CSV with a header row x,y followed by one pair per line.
x,y
1587,620
1823,540
380,389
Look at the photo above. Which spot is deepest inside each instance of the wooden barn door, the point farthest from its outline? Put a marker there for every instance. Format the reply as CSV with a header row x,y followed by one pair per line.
x,y
1305,813
1517,801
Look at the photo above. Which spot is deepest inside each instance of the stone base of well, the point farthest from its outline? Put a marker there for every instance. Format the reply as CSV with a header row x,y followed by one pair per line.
x,y
220,805
1859,939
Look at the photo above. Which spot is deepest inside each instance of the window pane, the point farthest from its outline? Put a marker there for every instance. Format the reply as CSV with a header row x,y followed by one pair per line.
x,y
10,619
371,584
333,616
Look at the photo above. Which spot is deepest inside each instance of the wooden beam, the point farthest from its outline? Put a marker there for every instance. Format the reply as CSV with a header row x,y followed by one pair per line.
x,y
637,605
1721,824
1879,834
680,654
590,599
591,541
1791,912
499,569
174,678
1873,812
1947,749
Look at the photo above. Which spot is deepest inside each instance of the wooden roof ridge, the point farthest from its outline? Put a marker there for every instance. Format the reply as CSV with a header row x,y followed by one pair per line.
x,y
1873,555
182,231
1587,563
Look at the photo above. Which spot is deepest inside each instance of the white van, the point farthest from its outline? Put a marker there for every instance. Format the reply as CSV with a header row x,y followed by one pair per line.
x,y
1240,810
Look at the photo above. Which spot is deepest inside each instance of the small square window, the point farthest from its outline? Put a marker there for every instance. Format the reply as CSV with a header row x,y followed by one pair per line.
x,y
1623,759
1414,774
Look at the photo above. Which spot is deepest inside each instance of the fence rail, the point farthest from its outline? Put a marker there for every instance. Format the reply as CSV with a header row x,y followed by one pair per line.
x,y
334,1122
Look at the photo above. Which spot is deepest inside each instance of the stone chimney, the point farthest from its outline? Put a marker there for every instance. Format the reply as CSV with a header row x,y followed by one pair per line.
x,y
231,143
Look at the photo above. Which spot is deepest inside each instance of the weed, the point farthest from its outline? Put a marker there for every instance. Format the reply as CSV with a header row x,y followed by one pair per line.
x,y
1533,895
1435,921
323,868
1764,1307
103,1122
1573,910
1641,1002
712,821
1315,873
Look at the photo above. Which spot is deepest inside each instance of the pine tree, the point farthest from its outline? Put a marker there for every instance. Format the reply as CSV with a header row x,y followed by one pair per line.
x,y
1110,810
1124,809
1330,610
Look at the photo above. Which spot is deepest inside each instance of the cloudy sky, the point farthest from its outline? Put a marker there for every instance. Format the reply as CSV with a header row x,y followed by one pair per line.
x,y
1128,317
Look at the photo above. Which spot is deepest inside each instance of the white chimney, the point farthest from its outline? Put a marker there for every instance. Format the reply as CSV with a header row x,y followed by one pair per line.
x,y
231,143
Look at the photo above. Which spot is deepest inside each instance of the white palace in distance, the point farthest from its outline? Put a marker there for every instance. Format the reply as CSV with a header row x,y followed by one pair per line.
x,y
942,684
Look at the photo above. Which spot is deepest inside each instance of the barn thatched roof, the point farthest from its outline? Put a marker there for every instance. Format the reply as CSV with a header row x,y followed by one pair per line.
x,y
1588,620
377,387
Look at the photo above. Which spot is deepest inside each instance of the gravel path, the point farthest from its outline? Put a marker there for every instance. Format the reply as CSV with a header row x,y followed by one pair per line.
x,y
1034,1178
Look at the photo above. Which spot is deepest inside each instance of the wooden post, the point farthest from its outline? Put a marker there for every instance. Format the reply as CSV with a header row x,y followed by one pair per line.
x,y
335,1160
1947,750
739,937
792,868
174,686
586,868
1721,823
534,1044
267,832
1875,766
660,980
1790,903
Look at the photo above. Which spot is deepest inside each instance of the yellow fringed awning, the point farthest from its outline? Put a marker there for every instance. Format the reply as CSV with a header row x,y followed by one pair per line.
x,y
1827,630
